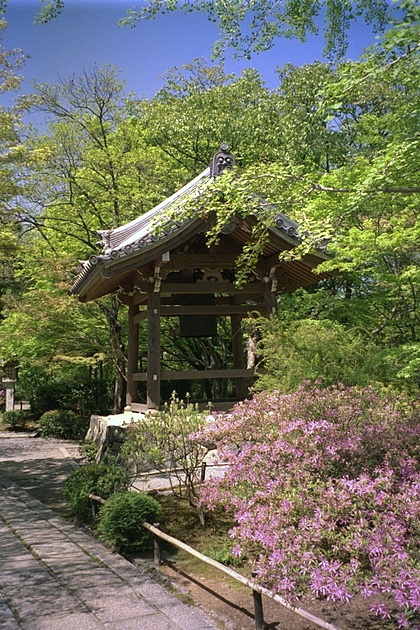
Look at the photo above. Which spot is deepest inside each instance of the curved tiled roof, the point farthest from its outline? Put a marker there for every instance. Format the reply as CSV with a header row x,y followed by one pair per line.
x,y
122,241
132,235
152,227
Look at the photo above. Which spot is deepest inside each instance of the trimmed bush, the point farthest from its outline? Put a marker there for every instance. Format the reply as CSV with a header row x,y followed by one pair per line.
x,y
62,424
16,420
120,521
100,479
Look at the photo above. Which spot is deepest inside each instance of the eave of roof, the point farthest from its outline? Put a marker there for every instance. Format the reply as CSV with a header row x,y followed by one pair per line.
x,y
141,233
139,239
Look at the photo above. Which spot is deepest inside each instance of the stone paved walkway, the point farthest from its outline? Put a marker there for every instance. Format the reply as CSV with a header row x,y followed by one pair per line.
x,y
54,576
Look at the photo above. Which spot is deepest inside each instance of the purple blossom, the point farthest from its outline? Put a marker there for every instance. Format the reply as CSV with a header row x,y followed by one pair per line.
x,y
324,485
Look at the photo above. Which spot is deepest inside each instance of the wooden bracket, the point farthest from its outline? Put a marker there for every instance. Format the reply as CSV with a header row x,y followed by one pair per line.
x,y
273,280
157,280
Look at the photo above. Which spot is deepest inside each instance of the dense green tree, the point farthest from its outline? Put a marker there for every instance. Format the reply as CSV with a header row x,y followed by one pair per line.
x,y
11,151
353,185
334,148
200,106
91,174
11,61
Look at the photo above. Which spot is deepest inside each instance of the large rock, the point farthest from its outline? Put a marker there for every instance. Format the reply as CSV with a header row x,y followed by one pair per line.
x,y
108,432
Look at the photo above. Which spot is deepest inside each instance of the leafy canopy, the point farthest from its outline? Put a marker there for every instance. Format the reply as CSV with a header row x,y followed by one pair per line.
x,y
252,26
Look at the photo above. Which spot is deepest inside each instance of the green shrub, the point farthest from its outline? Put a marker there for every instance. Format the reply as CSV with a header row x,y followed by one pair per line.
x,y
225,556
74,391
89,450
314,350
120,521
99,479
162,442
16,420
62,424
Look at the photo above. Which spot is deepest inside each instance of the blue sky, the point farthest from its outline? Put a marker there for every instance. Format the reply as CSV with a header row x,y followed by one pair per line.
x,y
87,33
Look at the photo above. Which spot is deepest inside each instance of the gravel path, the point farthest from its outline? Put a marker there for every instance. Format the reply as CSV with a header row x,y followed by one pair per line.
x,y
55,576
40,466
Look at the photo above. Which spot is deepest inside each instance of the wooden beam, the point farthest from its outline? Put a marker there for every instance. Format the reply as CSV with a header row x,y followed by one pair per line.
x,y
125,299
141,317
201,288
270,301
217,309
182,288
141,296
197,261
197,375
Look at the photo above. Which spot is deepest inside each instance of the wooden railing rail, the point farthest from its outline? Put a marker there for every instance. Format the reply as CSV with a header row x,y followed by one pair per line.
x,y
257,590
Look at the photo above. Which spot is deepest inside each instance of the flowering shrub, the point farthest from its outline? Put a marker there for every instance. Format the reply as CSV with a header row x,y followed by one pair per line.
x,y
161,442
324,486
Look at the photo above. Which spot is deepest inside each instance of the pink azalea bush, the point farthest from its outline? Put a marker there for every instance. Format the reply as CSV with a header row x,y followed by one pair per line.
x,y
324,487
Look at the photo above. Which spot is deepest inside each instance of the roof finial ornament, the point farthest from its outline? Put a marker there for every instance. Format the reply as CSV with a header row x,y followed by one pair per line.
x,y
223,159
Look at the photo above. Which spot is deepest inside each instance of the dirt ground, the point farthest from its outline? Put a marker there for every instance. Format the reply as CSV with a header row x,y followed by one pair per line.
x,y
41,467
233,603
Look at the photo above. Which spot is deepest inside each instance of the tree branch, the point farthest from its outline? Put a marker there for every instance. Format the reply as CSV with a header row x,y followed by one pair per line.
x,y
398,189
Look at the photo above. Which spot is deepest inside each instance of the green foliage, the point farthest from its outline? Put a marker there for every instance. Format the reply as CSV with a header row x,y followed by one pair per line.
x,y
91,173
225,556
68,392
252,27
335,148
199,106
12,152
50,10
98,479
121,518
310,349
62,424
17,420
89,450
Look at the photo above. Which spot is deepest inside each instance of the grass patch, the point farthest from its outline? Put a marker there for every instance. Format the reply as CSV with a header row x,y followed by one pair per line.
x,y
180,520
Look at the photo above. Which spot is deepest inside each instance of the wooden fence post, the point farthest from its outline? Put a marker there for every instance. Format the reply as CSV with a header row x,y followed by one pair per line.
x,y
203,471
157,550
258,609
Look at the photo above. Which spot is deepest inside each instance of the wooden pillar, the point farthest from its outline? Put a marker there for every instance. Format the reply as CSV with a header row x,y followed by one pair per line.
x,y
238,354
269,300
153,351
132,354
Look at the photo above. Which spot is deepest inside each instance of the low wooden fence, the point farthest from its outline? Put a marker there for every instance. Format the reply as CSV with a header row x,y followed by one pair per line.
x,y
257,590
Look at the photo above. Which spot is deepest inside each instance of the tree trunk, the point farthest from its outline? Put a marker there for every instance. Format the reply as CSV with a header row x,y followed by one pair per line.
x,y
117,351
